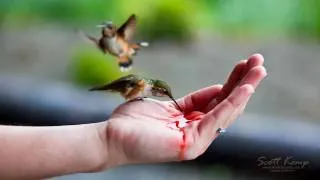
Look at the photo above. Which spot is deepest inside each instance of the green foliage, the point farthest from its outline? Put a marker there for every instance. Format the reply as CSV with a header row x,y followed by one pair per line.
x,y
251,16
158,19
170,20
308,18
70,11
176,20
91,67
269,17
141,8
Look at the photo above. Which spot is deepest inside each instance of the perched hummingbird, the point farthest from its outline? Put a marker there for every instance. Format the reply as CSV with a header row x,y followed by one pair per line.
x,y
133,87
116,41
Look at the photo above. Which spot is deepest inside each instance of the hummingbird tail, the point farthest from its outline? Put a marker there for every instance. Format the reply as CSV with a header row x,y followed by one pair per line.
x,y
125,66
86,37
98,88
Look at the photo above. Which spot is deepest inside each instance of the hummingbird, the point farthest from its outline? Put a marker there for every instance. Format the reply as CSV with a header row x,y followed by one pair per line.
x,y
134,87
117,41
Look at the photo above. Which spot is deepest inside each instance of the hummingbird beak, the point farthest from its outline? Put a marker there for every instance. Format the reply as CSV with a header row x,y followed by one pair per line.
x,y
171,97
108,23
100,26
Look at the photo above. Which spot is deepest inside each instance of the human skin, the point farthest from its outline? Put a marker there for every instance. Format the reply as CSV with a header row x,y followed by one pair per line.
x,y
137,132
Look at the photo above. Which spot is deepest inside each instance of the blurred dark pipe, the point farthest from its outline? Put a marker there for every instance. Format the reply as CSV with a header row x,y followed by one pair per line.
x,y
26,102
268,138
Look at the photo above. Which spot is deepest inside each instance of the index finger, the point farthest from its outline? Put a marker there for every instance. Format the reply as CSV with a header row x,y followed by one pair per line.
x,y
216,117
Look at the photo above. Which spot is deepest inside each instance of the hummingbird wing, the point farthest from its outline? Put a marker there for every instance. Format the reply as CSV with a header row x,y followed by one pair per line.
x,y
91,40
88,38
119,85
128,28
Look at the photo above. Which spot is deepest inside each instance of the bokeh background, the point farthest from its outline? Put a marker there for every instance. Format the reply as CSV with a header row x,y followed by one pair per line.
x,y
46,69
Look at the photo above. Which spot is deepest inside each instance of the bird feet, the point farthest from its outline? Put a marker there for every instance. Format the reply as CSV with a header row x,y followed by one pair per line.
x,y
137,99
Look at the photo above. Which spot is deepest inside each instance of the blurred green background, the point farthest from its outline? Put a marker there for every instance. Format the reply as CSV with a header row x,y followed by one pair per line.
x,y
193,44
174,19
199,40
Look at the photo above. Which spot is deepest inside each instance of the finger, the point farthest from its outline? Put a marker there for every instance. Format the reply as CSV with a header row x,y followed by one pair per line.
x,y
234,77
253,79
255,60
242,107
254,76
207,128
255,84
196,101
239,72
218,117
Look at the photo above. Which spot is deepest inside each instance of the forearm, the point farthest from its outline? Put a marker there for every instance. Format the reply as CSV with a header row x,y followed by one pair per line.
x,y
40,152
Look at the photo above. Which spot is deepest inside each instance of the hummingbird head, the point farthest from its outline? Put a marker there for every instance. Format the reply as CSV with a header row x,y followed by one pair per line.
x,y
108,29
160,89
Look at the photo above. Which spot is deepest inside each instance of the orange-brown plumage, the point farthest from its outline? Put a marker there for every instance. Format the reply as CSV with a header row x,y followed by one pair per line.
x,y
117,41
133,86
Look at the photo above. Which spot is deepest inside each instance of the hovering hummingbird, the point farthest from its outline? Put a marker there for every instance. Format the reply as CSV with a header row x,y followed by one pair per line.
x,y
133,87
116,41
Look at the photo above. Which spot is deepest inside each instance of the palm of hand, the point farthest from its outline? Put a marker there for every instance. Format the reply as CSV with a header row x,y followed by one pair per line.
x,y
142,127
140,131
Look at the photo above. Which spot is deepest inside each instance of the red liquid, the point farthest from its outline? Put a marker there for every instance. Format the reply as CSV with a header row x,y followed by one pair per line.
x,y
183,143
192,116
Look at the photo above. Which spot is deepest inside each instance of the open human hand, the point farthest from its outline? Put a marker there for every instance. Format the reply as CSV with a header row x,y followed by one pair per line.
x,y
149,131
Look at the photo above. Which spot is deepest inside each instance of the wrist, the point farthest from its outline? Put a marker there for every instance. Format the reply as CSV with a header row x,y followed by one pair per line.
x,y
97,151
112,146
107,153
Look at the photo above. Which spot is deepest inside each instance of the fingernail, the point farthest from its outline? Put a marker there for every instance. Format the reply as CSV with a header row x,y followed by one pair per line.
x,y
258,55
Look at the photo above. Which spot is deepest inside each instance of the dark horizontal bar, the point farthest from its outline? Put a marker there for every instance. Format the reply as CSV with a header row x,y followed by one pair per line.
x,y
25,101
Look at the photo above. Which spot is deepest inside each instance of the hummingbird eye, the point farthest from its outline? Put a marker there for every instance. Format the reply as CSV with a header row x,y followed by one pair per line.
x,y
109,24
109,27
165,91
